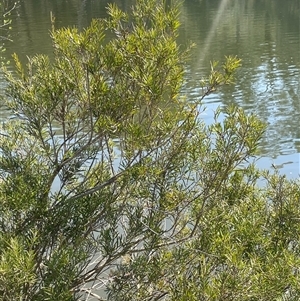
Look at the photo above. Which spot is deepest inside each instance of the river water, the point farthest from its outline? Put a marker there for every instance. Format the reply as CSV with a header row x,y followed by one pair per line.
x,y
265,34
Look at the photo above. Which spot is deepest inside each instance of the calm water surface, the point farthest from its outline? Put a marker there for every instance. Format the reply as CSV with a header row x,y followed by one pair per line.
x,y
265,34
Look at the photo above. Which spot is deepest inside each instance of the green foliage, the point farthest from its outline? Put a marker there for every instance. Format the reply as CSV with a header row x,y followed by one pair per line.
x,y
217,77
110,181
16,268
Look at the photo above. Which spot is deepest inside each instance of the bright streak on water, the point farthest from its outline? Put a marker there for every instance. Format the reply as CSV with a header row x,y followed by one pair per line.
x,y
211,33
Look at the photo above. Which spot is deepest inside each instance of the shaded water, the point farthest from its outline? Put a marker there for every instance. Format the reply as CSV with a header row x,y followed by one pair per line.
x,y
265,34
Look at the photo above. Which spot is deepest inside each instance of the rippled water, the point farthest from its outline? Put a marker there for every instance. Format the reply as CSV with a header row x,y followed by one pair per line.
x,y
264,34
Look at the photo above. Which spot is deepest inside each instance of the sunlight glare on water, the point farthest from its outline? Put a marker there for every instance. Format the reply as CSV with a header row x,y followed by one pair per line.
x,y
266,36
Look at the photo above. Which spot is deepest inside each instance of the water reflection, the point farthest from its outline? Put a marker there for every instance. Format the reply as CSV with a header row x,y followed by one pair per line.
x,y
264,34
266,37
